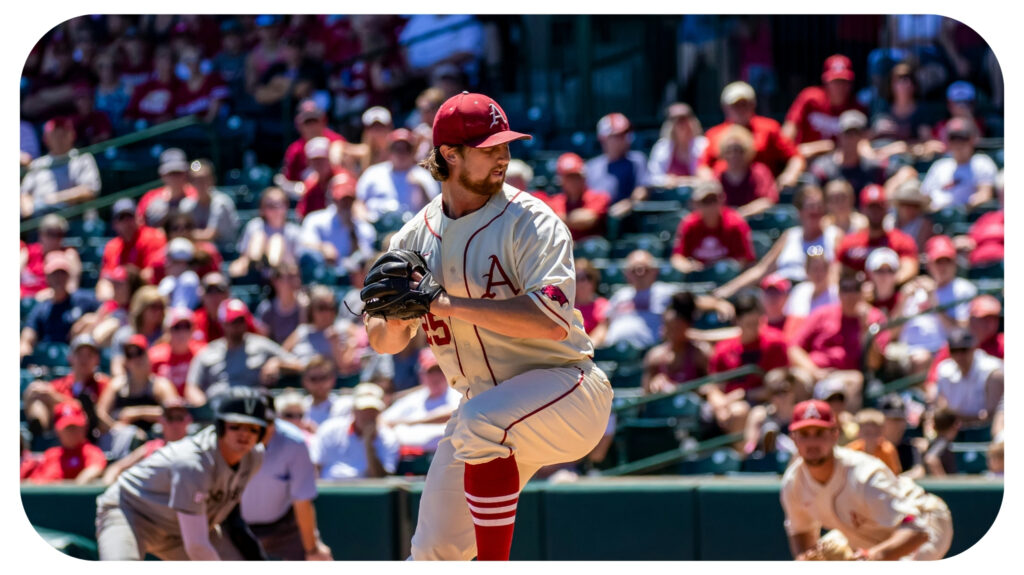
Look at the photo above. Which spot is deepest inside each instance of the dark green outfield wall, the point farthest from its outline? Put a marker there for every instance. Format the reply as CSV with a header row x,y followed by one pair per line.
x,y
612,519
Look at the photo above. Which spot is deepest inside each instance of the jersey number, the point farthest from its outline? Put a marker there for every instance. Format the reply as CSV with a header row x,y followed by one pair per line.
x,y
436,330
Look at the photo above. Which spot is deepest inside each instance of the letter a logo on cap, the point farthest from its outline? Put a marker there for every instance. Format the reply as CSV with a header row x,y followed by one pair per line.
x,y
496,117
811,412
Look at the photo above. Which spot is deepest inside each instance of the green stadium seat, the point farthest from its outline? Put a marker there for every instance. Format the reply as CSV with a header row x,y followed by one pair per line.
x,y
27,377
681,194
391,222
667,273
944,219
718,273
774,220
86,227
994,270
414,465
644,438
763,242
27,305
766,462
653,244
982,209
628,375
592,248
622,352
49,354
683,410
974,435
971,458
719,462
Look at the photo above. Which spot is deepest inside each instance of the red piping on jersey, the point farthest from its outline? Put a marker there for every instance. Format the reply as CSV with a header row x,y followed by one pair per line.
x,y
556,314
430,229
465,278
486,361
541,408
455,344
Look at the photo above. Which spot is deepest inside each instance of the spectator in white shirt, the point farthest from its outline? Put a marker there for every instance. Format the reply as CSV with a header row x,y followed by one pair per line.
x,y
964,178
358,446
321,404
969,382
60,178
397,185
419,417
333,234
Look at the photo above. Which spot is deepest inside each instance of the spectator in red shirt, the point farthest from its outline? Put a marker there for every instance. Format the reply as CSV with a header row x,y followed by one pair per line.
x,y
854,249
583,210
200,93
748,185
83,384
311,122
712,232
678,359
75,458
174,174
773,149
91,125
758,344
170,359
134,245
829,341
52,230
774,296
153,102
814,115
593,307
984,326
213,291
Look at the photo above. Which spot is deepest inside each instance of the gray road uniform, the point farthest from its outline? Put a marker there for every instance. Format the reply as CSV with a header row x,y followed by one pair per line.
x,y
138,514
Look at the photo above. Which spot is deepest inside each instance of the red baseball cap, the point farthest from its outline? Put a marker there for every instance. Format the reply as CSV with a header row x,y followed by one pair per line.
x,y
837,67
473,120
985,305
569,163
69,413
812,413
138,340
232,309
776,281
939,247
343,185
613,124
872,194
427,360
179,314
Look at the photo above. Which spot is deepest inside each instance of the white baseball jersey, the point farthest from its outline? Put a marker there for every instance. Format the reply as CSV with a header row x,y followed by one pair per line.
x,y
864,500
513,245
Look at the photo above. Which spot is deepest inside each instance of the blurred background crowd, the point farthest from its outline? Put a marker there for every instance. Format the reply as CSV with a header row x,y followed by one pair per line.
x,y
757,221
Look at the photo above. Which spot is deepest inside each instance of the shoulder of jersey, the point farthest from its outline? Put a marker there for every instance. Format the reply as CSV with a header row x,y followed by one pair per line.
x,y
789,476
525,201
864,465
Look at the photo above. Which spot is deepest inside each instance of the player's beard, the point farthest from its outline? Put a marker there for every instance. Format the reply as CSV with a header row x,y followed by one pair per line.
x,y
484,187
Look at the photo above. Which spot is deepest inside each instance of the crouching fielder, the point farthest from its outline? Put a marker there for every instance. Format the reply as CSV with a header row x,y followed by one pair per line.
x,y
873,514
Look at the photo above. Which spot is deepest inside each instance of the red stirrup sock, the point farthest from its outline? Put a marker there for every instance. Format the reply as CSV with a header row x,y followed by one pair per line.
x,y
492,491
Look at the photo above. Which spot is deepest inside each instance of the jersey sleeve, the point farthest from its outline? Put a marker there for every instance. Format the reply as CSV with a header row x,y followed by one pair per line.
x,y
303,476
884,503
797,520
190,487
545,268
797,110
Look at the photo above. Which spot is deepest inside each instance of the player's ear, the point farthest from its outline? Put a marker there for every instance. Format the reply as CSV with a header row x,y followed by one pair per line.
x,y
449,153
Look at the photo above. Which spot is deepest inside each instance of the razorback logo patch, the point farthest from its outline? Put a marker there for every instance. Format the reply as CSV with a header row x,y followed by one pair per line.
x,y
555,294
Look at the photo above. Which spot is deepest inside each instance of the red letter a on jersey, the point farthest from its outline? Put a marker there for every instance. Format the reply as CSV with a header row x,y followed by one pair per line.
x,y
496,268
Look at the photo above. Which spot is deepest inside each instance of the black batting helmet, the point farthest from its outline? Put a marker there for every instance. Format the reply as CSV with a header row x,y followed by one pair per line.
x,y
242,406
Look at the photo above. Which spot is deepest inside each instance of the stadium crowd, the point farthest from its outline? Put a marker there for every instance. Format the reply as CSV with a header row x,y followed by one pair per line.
x,y
786,246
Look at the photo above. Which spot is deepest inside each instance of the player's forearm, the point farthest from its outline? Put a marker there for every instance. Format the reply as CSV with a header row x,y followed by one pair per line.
x,y
515,317
903,542
195,537
305,518
801,542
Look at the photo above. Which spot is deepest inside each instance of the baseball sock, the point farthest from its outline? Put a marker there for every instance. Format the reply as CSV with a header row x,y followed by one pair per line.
x,y
492,491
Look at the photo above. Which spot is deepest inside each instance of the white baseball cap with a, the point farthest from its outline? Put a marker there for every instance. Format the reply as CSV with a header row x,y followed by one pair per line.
x,y
376,115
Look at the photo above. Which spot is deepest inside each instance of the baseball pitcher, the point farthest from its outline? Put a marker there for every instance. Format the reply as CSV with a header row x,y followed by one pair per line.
x,y
486,271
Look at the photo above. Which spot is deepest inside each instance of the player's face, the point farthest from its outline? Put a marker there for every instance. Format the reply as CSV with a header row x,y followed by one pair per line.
x,y
814,444
240,438
482,170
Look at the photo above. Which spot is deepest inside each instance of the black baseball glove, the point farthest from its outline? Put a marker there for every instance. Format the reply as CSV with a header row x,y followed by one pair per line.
x,y
387,291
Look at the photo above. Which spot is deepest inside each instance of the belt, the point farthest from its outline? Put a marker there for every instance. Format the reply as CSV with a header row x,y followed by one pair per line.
x,y
288,517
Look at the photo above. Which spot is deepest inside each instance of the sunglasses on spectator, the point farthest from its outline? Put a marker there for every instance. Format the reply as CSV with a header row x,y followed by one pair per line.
x,y
296,415
51,232
182,228
133,353
178,418
183,325
318,376
733,150
216,289
708,200
124,216
959,138
849,288
959,350
885,270
638,270
274,205
582,278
